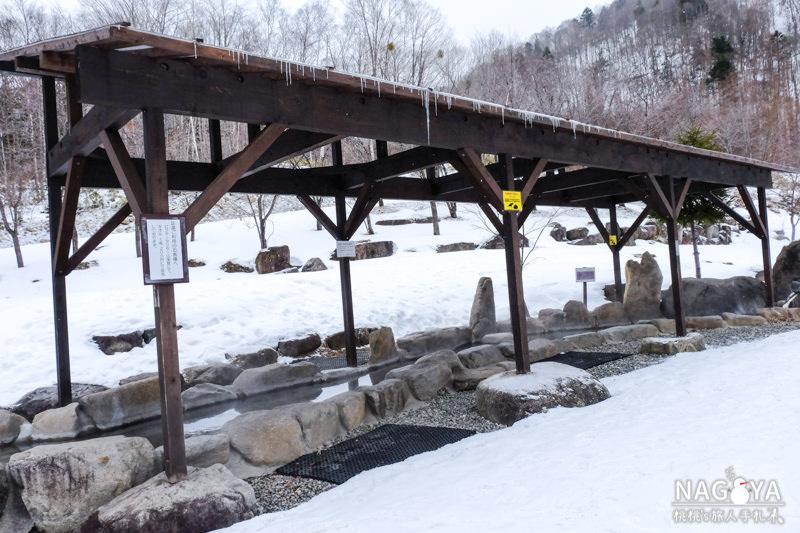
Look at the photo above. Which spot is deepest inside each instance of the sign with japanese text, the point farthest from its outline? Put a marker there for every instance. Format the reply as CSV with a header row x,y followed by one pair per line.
x,y
584,274
345,249
164,255
512,200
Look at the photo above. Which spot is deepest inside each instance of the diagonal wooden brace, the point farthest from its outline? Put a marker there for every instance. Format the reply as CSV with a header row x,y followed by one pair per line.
x,y
319,214
476,172
533,179
94,241
66,225
126,172
232,173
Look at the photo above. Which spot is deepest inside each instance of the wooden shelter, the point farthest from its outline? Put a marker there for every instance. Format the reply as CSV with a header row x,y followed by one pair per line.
x,y
293,108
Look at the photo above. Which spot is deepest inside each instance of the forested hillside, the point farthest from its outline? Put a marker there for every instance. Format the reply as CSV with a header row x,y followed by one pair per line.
x,y
653,67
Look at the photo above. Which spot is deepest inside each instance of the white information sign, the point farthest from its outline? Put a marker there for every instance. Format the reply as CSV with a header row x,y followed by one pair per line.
x,y
164,240
345,249
584,274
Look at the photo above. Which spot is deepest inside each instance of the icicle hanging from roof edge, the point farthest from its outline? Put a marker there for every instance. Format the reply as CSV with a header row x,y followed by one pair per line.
x,y
313,74
428,114
503,116
435,104
195,49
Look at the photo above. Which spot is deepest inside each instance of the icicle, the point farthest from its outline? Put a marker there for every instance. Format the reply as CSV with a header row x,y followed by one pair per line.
x,y
313,73
195,49
574,125
362,84
428,114
435,103
379,89
503,115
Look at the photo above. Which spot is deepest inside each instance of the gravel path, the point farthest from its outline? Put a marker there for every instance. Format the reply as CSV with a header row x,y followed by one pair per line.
x,y
277,493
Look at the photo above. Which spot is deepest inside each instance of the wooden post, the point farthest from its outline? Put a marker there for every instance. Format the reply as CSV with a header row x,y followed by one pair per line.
x,y
344,269
214,140
169,372
675,262
61,324
615,249
516,296
765,248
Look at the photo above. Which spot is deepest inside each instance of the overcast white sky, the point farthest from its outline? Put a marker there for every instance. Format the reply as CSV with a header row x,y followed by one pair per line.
x,y
520,18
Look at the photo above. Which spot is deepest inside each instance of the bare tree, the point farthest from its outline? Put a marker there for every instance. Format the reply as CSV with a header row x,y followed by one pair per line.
x,y
789,198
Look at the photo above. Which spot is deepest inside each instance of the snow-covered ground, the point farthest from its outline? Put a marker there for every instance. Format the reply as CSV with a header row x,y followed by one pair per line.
x,y
610,467
234,313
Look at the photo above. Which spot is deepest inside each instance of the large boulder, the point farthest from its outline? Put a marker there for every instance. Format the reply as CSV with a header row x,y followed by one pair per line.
x,y
693,342
273,259
642,288
264,357
387,398
45,398
424,379
319,422
455,247
498,243
575,234
276,376
508,397
208,499
215,373
704,297
133,402
352,408
62,485
482,317
202,451
559,232
539,349
786,270
271,437
11,425
370,250
207,394
337,340
575,315
734,320
610,314
382,347
299,347
483,355
590,240
619,334
125,342
433,340
61,423
314,264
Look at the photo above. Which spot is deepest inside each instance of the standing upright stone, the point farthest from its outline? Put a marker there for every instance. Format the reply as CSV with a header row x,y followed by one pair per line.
x,y
786,270
642,288
482,318
381,345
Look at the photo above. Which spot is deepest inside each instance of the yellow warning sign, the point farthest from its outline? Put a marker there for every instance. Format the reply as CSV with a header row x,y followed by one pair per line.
x,y
612,240
512,200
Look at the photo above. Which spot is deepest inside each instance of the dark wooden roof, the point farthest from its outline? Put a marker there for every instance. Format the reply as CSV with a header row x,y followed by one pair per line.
x,y
120,67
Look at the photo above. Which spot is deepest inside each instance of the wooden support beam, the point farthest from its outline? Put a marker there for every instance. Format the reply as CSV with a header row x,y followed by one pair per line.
x,y
58,62
598,223
758,224
214,140
347,286
100,235
765,246
660,197
232,173
169,372
516,295
364,204
687,183
632,230
615,251
319,214
530,183
128,176
491,215
84,136
59,284
717,201
69,209
677,279
117,78
475,171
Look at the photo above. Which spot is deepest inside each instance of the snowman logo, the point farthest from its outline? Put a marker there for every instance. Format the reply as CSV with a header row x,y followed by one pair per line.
x,y
740,494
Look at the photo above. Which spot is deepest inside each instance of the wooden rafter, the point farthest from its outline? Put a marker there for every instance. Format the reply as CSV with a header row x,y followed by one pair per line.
x,y
530,183
714,199
319,214
474,170
99,236
757,223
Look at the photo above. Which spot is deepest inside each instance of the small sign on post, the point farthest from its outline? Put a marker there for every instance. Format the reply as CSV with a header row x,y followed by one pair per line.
x,y
512,200
345,249
612,240
584,275
164,253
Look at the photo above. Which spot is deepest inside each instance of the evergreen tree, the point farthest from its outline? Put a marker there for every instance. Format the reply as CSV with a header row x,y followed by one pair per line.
x,y
587,18
723,67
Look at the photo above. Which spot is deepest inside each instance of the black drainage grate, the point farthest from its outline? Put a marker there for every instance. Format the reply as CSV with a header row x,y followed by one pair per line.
x,y
584,360
382,446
